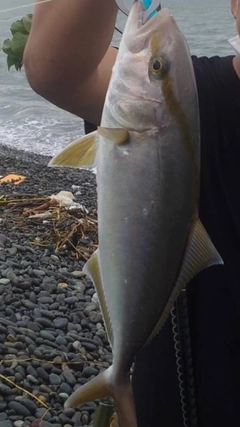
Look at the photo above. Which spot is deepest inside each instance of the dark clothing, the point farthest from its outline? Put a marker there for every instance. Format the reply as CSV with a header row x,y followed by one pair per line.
x,y
213,297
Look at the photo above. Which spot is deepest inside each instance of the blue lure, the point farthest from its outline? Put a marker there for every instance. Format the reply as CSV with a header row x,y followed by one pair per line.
x,y
151,7
147,4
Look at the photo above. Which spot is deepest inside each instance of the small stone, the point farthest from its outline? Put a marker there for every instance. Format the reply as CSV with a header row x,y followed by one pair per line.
x,y
89,371
46,300
6,423
95,317
32,380
42,398
19,423
39,273
19,408
40,412
4,281
4,390
45,323
89,346
12,251
71,300
3,416
60,322
62,285
78,274
42,374
61,340
54,379
29,404
47,424
65,388
47,335
12,277
63,396
69,412
69,377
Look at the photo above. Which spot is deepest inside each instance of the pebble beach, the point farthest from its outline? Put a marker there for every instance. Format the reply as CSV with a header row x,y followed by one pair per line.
x,y
52,337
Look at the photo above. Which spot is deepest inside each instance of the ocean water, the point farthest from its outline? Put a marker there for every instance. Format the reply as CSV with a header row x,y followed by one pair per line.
x,y
31,123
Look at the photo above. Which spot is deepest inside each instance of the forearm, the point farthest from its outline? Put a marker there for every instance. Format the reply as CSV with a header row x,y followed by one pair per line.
x,y
68,40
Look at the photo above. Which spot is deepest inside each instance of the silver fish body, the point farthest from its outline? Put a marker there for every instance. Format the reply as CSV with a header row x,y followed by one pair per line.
x,y
151,242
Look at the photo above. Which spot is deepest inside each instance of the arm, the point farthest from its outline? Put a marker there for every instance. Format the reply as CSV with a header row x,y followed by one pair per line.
x,y
67,58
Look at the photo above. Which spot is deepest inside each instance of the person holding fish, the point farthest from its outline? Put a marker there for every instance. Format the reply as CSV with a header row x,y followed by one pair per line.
x,y
161,114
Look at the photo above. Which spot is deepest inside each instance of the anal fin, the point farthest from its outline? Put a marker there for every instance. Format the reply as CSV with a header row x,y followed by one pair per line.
x,y
200,253
92,269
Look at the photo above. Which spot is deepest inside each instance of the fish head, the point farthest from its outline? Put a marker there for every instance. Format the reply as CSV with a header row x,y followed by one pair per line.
x,y
152,75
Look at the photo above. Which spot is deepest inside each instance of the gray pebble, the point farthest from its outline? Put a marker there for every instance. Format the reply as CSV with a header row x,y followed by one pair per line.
x,y
60,322
4,390
12,277
61,340
40,412
3,238
4,281
30,405
6,423
47,424
32,380
42,374
47,335
89,371
54,379
19,423
45,323
78,274
65,388
71,300
45,300
69,377
12,251
63,396
19,408
95,317
3,416
89,346
48,314
38,273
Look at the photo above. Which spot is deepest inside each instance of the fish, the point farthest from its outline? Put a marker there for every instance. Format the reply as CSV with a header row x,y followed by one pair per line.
x,y
147,154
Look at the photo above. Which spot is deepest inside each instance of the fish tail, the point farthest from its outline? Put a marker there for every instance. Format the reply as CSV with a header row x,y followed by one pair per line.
x,y
97,388
124,403
103,385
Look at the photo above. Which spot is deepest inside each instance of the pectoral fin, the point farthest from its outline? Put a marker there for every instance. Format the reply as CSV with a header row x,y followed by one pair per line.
x,y
118,135
80,153
92,269
200,253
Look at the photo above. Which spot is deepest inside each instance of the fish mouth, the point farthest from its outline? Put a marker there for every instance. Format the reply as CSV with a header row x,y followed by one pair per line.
x,y
137,15
137,27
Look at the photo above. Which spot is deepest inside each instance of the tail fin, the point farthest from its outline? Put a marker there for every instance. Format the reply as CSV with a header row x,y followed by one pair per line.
x,y
104,385
125,406
97,388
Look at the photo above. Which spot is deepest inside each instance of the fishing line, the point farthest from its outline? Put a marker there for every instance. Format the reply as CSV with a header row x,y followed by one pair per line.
x,y
23,6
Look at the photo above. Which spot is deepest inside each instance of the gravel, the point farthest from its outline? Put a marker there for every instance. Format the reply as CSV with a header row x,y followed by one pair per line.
x,y
52,337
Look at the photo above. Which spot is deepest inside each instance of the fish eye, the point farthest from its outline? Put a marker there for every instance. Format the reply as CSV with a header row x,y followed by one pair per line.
x,y
158,67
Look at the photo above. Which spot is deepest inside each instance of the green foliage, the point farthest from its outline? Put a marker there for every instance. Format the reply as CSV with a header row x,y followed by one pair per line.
x,y
14,48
